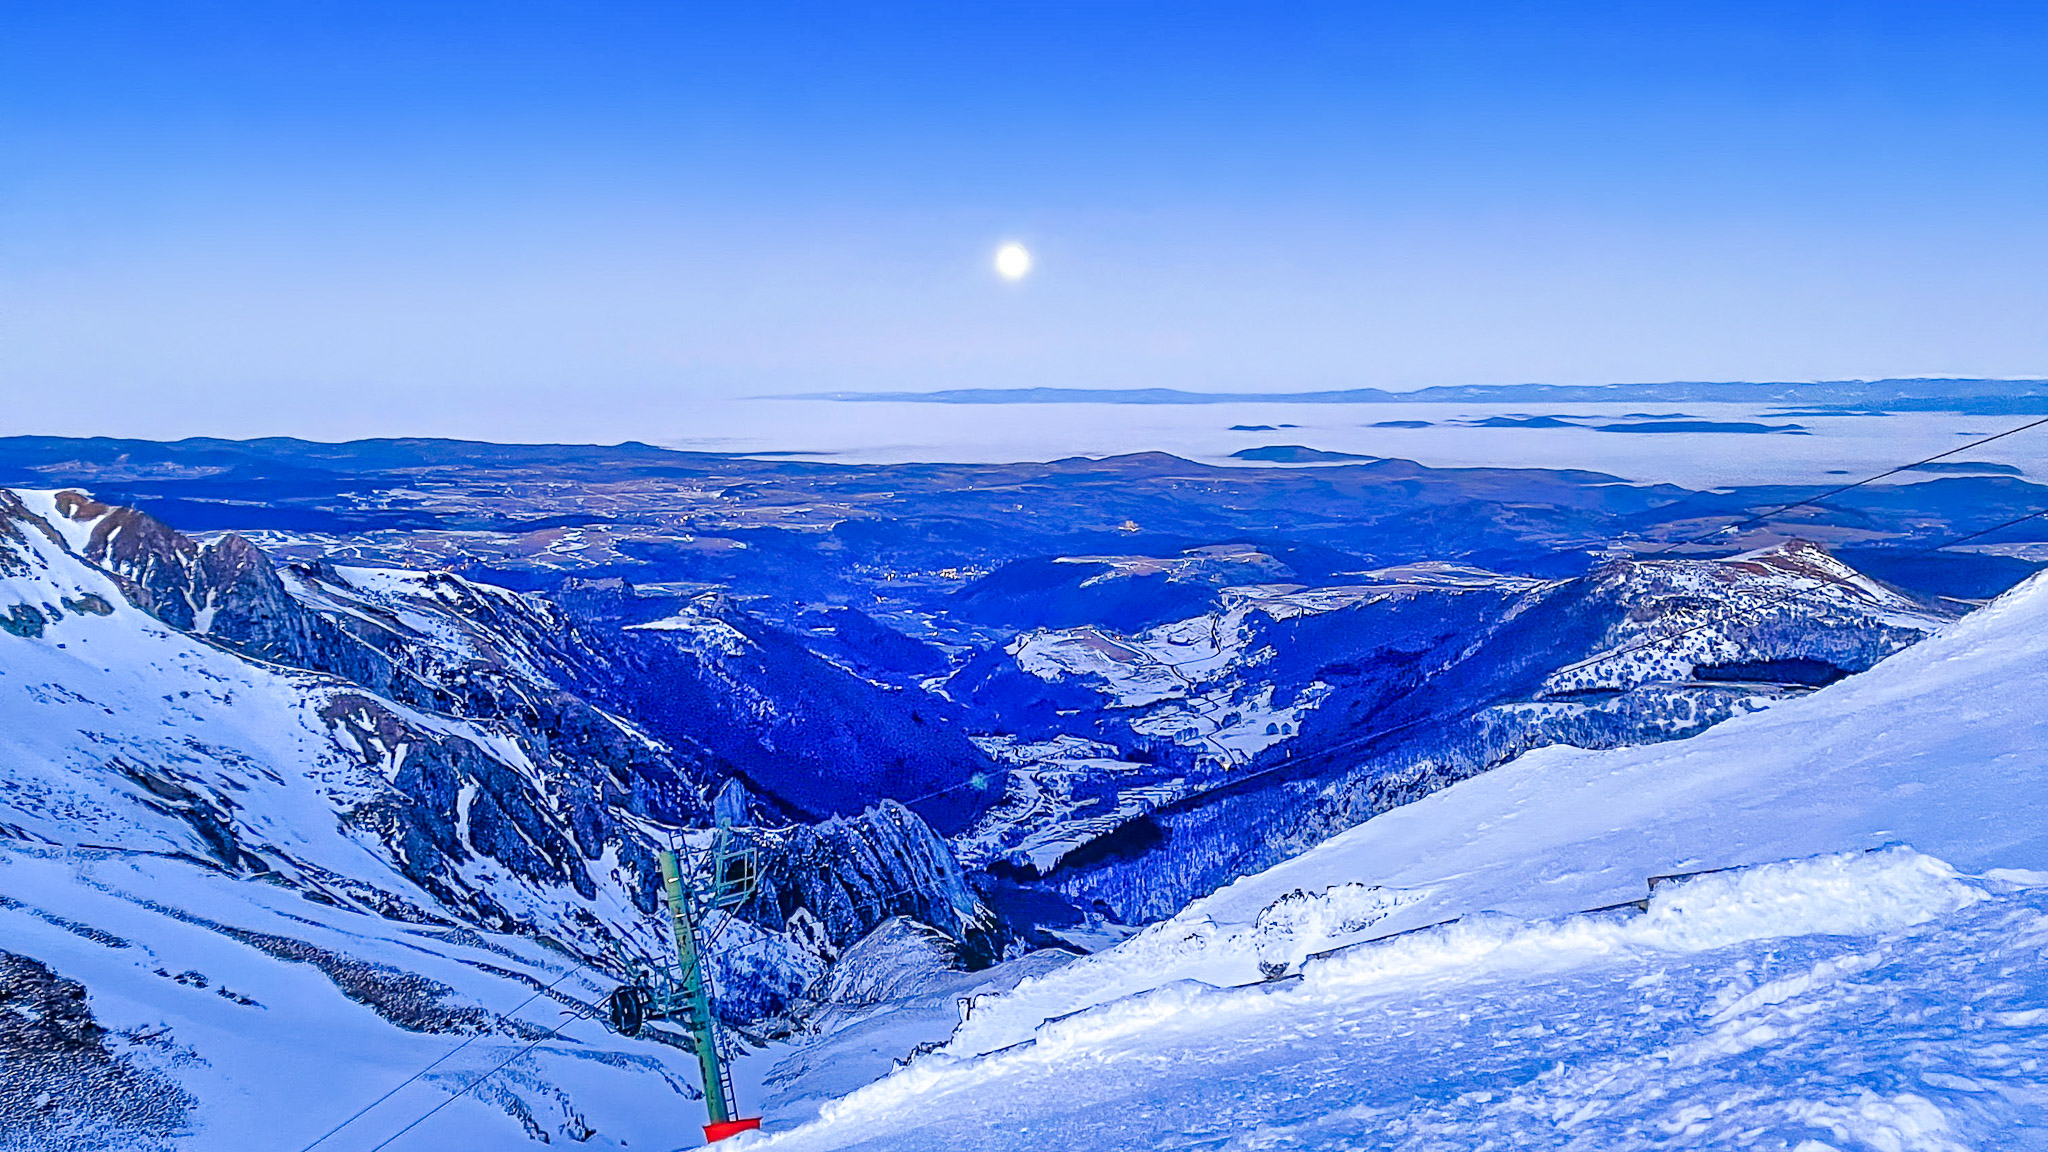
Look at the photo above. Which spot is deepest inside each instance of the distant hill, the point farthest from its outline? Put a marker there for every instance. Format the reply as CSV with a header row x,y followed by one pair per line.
x,y
1916,394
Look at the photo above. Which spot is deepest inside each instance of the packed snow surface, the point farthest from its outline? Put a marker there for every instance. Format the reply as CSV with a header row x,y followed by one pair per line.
x,y
1808,1006
1851,955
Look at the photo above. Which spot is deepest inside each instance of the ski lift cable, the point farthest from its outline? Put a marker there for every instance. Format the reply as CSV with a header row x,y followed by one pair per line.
x,y
500,1067
874,903
1762,516
360,1112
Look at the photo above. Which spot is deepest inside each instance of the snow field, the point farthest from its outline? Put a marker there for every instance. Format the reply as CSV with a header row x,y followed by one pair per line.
x,y
1843,895
1744,1006
279,1053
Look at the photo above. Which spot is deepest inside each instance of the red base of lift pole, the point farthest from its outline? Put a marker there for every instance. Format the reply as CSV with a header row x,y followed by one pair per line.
x,y
713,1133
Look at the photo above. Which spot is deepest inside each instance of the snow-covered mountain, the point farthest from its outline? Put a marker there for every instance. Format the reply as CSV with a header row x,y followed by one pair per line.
x,y
1818,926
271,835
1151,767
248,820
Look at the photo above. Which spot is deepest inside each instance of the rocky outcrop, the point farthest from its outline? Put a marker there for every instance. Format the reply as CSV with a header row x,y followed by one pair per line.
x,y
226,590
451,802
853,872
824,887
61,1086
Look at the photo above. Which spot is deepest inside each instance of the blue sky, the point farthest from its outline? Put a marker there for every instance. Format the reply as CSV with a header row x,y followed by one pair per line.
x,y
333,219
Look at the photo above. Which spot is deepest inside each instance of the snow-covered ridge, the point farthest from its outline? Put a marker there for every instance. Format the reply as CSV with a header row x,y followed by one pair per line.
x,y
1691,615
1305,711
76,530
1200,662
427,606
124,732
698,626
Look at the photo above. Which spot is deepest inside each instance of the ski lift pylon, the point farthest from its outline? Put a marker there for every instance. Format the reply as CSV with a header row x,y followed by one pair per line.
x,y
723,879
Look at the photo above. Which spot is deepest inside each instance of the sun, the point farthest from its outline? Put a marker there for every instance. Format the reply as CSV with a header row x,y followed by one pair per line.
x,y
1013,261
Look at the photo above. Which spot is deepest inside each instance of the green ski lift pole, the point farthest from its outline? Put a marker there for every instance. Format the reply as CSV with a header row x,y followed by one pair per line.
x,y
722,880
726,882
697,997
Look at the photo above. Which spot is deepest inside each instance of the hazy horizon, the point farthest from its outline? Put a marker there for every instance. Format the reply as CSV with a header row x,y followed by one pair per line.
x,y
478,220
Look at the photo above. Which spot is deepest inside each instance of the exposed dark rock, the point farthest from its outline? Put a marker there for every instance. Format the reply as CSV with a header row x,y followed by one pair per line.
x,y
157,564
89,604
854,872
450,800
209,813
407,999
61,1087
24,620
84,931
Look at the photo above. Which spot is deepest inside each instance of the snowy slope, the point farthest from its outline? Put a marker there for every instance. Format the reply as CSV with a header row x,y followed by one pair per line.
x,y
119,731
197,841
1845,998
239,1015
1844,1003
240,899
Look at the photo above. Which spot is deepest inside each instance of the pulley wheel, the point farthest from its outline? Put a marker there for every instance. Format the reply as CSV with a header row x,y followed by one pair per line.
x,y
626,1009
